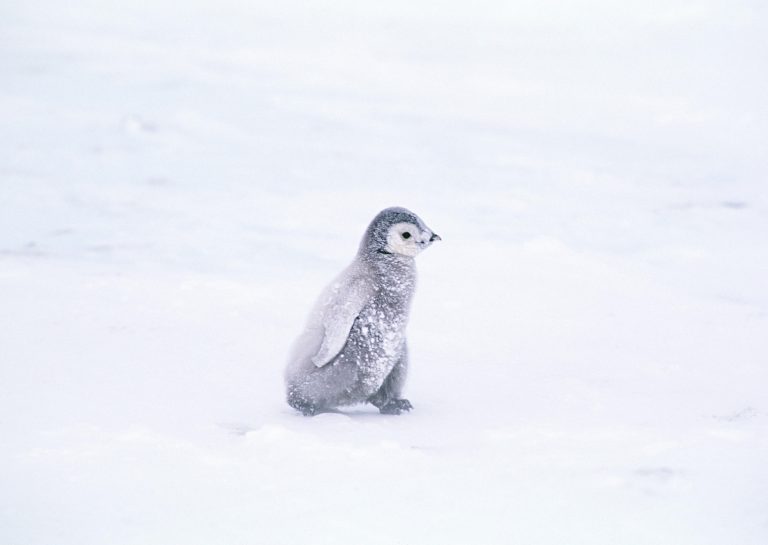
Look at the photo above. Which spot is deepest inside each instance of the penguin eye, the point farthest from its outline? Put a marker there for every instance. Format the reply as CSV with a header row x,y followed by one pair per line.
x,y
406,235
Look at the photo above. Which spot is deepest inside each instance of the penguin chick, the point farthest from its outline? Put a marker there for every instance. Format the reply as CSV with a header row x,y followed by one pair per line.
x,y
353,349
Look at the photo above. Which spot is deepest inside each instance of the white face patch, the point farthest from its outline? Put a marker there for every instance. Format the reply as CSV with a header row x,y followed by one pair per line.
x,y
407,239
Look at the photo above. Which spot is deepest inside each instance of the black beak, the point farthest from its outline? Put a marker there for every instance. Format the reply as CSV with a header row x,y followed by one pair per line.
x,y
434,237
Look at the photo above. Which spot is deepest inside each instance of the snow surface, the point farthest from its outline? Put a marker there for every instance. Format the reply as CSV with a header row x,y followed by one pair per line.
x,y
178,181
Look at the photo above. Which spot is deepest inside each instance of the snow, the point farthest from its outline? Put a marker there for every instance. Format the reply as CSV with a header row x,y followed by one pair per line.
x,y
588,342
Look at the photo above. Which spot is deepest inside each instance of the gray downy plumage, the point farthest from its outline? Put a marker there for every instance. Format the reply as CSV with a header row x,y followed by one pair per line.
x,y
353,349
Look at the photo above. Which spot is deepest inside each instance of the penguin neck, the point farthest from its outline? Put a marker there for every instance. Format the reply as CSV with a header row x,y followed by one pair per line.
x,y
386,261
396,273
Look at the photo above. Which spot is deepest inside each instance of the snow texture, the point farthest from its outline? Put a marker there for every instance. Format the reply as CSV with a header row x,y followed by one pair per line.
x,y
587,345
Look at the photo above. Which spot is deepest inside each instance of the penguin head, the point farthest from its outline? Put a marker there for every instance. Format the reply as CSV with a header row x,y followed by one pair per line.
x,y
397,231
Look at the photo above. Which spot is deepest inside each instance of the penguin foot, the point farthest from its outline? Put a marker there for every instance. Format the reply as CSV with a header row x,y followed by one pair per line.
x,y
307,408
396,406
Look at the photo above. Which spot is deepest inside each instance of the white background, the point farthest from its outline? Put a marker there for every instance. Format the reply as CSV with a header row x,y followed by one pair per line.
x,y
178,181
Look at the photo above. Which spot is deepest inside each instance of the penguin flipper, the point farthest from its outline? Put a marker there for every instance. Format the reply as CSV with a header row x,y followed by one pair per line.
x,y
338,318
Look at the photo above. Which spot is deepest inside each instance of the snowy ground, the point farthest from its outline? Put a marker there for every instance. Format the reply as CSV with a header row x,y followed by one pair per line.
x,y
589,341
